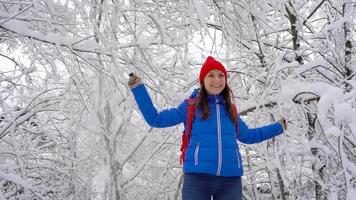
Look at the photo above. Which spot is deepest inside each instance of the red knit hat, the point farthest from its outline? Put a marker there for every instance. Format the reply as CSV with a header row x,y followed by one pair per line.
x,y
209,65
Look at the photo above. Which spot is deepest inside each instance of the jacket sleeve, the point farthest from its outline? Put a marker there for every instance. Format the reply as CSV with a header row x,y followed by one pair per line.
x,y
255,135
162,119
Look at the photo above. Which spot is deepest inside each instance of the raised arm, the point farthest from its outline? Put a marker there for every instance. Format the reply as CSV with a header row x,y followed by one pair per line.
x,y
164,118
255,135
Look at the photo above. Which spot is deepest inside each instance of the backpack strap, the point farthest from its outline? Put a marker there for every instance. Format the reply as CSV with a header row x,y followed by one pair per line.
x,y
190,115
191,108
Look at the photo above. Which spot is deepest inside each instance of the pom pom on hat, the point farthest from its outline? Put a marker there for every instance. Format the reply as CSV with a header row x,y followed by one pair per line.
x,y
209,65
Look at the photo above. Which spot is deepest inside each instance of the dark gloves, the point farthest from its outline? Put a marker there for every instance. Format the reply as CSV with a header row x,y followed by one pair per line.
x,y
134,81
283,122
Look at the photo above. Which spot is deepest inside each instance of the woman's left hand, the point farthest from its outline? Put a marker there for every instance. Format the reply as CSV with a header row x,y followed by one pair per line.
x,y
283,122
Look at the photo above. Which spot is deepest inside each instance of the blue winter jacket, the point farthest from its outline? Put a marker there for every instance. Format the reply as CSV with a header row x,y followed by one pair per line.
x,y
213,147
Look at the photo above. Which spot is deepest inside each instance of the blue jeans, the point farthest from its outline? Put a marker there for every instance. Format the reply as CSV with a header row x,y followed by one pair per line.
x,y
204,186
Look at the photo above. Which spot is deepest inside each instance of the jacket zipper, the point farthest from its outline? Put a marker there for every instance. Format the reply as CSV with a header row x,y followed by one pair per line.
x,y
219,137
196,154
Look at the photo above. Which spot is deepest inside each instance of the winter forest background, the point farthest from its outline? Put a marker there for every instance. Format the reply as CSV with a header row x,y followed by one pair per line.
x,y
70,129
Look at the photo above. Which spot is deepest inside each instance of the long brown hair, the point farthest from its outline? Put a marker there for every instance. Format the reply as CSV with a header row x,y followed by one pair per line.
x,y
204,106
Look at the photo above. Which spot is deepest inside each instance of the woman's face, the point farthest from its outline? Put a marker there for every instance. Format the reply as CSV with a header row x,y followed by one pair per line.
x,y
214,82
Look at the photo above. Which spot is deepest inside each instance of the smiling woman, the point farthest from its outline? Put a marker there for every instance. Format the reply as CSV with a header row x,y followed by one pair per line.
x,y
213,76
212,154
214,82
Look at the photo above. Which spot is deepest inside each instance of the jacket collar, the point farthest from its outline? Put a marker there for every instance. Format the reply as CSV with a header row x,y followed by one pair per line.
x,y
211,98
219,99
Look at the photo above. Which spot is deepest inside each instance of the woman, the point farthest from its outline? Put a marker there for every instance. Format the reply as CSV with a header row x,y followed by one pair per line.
x,y
212,165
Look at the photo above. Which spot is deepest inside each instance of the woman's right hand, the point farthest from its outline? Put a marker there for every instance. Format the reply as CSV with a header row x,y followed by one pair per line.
x,y
134,81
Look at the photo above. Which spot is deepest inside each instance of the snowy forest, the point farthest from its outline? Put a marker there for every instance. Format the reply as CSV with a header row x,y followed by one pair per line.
x,y
70,128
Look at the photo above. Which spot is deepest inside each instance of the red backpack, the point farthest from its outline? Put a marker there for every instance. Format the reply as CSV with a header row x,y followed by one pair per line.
x,y
191,107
